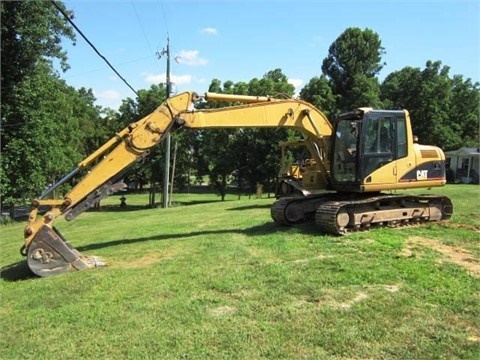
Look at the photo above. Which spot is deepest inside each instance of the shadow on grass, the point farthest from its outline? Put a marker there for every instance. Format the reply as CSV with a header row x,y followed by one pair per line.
x,y
118,208
21,271
264,229
16,272
196,202
250,207
128,208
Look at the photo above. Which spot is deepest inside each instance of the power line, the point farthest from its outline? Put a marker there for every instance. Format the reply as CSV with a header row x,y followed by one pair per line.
x,y
165,18
141,26
100,69
91,45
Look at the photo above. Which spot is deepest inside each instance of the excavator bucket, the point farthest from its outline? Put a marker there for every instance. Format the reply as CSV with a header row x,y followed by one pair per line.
x,y
50,254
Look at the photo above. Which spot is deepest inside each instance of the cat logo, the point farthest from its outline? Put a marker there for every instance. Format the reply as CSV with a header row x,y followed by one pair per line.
x,y
422,174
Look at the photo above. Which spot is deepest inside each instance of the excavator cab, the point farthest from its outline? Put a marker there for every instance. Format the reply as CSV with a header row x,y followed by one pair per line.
x,y
365,146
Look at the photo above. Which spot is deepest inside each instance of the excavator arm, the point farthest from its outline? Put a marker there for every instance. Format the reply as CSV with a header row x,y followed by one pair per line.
x,y
48,253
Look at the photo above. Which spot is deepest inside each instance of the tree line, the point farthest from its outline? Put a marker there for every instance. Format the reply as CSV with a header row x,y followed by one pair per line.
x,y
47,126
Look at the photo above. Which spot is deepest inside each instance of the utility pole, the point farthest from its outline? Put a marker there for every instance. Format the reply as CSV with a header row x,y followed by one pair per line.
x,y
166,177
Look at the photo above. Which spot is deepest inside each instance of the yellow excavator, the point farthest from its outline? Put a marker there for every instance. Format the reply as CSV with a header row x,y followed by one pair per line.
x,y
343,184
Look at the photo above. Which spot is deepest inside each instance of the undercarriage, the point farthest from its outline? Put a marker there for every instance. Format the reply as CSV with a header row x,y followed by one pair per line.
x,y
340,214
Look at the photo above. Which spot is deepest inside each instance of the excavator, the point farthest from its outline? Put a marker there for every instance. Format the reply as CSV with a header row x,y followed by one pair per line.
x,y
345,183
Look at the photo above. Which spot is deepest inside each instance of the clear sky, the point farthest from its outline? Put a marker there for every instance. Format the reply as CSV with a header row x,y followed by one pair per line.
x,y
239,40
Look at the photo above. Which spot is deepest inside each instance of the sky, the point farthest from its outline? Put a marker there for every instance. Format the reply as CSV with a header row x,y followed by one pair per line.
x,y
239,40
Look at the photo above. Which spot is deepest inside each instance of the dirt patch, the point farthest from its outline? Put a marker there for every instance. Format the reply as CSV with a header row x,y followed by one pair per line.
x,y
222,311
346,297
339,299
242,294
266,256
391,288
307,260
300,303
474,338
330,301
146,260
453,254
452,225
348,304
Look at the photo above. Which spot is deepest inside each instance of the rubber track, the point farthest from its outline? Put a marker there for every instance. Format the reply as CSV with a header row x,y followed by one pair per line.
x,y
326,214
330,205
277,211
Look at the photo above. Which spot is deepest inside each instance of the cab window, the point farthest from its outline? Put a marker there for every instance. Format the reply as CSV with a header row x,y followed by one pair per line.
x,y
378,143
401,137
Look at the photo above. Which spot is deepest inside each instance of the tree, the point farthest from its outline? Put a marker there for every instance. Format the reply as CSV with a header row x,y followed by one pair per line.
x,y
95,129
31,31
39,131
444,110
220,164
465,111
260,160
44,143
273,83
319,93
212,148
352,64
400,89
251,154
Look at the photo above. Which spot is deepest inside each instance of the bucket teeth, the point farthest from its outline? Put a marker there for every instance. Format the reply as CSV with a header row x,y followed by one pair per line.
x,y
50,254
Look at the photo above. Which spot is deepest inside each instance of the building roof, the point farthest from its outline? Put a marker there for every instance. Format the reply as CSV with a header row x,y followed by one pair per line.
x,y
464,152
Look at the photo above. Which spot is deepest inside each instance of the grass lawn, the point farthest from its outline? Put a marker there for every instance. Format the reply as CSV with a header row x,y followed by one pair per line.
x,y
207,279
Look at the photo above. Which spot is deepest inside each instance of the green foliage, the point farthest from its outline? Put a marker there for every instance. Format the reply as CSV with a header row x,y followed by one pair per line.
x,y
399,88
319,93
94,129
31,31
464,111
444,110
352,64
273,83
250,155
44,142
220,163
5,220
39,134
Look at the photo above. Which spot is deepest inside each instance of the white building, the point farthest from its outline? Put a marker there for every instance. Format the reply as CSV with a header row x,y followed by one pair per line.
x,y
465,164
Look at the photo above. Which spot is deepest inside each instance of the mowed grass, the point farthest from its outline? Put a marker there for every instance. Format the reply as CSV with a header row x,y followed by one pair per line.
x,y
207,279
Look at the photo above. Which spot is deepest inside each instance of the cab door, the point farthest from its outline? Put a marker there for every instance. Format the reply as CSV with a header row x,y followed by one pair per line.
x,y
378,148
